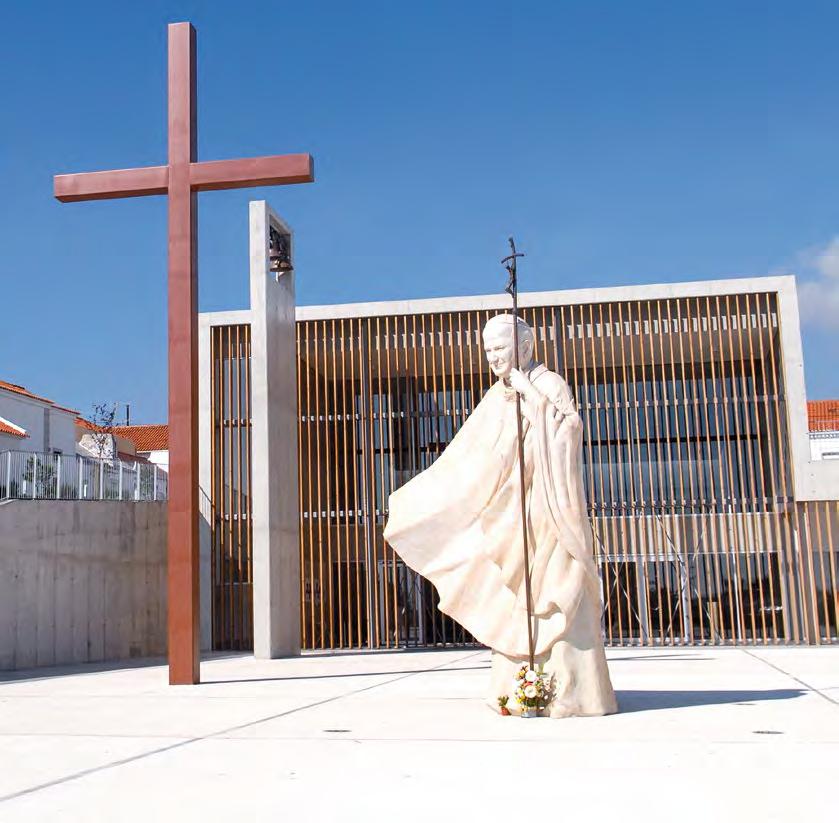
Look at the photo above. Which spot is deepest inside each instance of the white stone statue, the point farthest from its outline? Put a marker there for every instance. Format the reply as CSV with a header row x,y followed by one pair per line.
x,y
458,524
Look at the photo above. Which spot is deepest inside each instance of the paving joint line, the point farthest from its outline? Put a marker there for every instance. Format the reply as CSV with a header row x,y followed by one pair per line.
x,y
790,675
181,743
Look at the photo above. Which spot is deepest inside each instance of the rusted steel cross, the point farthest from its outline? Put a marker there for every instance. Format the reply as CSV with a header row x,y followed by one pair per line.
x,y
181,179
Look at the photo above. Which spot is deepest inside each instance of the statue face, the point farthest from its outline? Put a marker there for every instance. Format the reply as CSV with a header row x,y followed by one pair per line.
x,y
498,347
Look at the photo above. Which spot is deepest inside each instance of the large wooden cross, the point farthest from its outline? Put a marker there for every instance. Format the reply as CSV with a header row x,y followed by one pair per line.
x,y
181,179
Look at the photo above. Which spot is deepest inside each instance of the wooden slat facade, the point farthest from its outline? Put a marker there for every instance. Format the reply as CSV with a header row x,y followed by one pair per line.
x,y
686,463
230,449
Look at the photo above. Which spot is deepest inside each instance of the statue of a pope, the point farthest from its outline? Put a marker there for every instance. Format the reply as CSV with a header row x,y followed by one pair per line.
x,y
458,524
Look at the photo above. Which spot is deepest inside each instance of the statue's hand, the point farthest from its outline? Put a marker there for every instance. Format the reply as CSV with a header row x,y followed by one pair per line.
x,y
520,382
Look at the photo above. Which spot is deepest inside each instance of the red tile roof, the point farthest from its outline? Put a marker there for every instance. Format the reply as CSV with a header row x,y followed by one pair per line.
x,y
10,428
823,415
86,424
149,438
15,389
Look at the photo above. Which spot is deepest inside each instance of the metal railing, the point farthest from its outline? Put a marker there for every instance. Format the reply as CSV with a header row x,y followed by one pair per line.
x,y
38,476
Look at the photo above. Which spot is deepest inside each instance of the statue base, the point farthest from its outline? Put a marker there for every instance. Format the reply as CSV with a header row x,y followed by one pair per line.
x,y
582,687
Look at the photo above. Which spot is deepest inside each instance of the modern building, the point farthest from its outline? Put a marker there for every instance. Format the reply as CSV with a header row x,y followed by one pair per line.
x,y
712,523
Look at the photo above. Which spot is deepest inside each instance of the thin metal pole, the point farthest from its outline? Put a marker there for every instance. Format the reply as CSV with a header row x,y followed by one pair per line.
x,y
514,292
304,506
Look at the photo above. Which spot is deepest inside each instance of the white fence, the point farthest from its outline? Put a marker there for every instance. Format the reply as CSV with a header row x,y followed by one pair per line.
x,y
35,476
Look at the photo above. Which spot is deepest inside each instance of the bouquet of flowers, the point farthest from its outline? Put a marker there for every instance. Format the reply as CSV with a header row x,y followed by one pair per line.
x,y
533,690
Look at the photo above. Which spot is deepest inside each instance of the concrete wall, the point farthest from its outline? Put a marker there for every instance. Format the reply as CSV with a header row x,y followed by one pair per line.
x,y
81,581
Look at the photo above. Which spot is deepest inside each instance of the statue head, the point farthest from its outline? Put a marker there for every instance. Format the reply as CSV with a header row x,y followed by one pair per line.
x,y
498,344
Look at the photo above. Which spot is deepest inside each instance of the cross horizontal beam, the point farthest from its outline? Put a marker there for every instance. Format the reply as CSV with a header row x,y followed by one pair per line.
x,y
107,185
213,175
279,170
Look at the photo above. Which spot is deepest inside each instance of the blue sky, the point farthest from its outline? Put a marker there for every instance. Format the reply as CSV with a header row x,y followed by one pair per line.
x,y
620,142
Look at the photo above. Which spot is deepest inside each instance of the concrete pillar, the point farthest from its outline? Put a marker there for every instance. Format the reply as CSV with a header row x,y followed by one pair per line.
x,y
274,499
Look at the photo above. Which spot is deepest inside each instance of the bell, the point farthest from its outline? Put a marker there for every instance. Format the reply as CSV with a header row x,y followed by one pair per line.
x,y
279,252
279,263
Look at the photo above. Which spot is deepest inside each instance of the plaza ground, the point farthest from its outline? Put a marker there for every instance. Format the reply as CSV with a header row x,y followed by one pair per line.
x,y
704,734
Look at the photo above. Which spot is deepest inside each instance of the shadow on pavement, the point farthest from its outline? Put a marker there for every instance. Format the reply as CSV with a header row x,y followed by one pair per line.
x,y
654,657
339,675
73,669
645,701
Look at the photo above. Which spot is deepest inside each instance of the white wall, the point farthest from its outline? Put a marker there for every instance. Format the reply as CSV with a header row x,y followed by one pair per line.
x,y
81,582
48,428
9,442
824,445
159,458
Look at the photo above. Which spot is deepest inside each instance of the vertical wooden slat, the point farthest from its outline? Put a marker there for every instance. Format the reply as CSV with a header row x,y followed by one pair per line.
x,y
639,499
248,497
368,480
326,413
318,591
448,413
301,490
834,581
734,442
691,506
671,540
356,421
427,427
374,390
750,506
313,469
388,556
346,502
614,456
214,474
228,415
816,508
732,553
336,503
760,511
657,501
605,522
239,618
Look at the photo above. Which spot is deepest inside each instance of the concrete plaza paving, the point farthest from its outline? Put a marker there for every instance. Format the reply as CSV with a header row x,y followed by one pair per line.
x,y
704,734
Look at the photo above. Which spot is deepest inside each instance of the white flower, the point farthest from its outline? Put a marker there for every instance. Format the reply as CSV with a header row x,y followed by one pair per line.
x,y
530,691
530,676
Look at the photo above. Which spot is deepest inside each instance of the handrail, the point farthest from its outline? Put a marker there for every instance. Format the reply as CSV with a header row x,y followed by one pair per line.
x,y
54,476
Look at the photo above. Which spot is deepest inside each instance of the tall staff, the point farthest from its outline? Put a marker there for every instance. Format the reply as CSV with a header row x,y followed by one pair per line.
x,y
512,289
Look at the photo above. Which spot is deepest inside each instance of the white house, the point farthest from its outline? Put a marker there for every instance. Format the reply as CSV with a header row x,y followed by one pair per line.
x,y
824,429
32,423
151,442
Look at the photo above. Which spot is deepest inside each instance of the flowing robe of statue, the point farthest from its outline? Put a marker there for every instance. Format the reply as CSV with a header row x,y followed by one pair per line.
x,y
458,524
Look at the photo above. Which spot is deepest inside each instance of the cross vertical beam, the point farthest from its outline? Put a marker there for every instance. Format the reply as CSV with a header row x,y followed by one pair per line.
x,y
183,554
